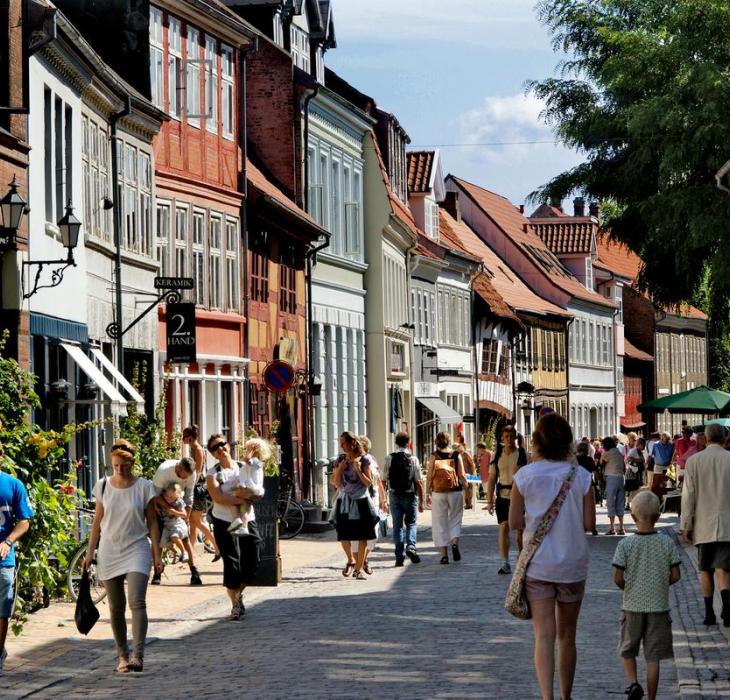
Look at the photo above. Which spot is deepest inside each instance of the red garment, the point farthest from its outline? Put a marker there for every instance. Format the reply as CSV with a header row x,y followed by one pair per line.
x,y
484,459
681,450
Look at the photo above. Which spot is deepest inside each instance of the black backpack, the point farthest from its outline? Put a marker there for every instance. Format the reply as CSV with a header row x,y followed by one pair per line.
x,y
399,473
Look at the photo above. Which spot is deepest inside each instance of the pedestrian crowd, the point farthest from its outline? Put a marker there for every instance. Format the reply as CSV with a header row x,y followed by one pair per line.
x,y
546,495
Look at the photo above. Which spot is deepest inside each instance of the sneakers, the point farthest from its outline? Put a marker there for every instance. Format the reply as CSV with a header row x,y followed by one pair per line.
x,y
634,691
156,578
195,579
400,562
3,656
236,612
505,569
235,525
413,555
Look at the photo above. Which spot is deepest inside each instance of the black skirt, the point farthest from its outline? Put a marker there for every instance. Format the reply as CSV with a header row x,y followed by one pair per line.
x,y
355,530
241,555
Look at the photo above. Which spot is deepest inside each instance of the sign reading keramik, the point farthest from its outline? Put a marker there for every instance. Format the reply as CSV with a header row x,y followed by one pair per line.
x,y
181,332
174,283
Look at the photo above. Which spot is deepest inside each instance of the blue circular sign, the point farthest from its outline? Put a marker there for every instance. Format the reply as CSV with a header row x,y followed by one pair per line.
x,y
279,376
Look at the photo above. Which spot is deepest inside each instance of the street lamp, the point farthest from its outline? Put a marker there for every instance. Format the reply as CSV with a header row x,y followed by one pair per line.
x,y
69,226
12,208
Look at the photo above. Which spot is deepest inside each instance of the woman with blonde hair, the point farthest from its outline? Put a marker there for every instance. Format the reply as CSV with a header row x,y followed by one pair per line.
x,y
445,482
190,437
354,513
126,532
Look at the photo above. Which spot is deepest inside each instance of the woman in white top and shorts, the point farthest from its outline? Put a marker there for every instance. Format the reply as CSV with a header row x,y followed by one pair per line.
x,y
558,570
124,521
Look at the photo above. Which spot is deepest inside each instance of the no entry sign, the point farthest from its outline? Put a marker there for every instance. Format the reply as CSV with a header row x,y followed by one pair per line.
x,y
279,376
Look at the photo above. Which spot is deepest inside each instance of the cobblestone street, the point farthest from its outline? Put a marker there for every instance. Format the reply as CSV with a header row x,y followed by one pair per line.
x,y
417,632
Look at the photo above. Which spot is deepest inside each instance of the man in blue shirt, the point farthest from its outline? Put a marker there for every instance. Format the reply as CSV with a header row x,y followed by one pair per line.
x,y
661,453
15,513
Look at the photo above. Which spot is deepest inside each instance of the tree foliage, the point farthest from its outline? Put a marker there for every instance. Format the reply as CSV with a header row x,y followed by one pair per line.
x,y
645,95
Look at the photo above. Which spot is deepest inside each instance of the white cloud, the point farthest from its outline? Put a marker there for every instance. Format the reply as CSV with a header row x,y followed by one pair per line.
x,y
492,23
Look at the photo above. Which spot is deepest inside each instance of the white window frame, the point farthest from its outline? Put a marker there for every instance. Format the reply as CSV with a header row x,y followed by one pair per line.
x,y
181,261
211,84
164,229
192,77
215,253
174,66
199,268
589,273
228,95
232,268
157,68
278,29
144,179
300,48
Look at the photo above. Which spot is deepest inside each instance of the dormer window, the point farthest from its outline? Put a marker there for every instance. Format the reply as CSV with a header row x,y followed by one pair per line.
x,y
431,218
589,273
300,48
278,29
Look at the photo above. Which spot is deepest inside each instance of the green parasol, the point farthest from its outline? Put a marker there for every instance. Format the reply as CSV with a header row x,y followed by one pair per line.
x,y
724,422
701,399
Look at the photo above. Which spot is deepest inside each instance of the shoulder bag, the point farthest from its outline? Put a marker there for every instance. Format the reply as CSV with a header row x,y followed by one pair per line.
x,y
516,601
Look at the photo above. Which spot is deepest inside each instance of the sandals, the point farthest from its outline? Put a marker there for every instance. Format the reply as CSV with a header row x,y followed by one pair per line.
x,y
622,531
445,560
216,557
135,664
610,532
123,665
366,568
360,576
349,568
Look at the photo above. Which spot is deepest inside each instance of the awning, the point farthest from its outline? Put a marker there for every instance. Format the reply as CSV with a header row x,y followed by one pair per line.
x,y
633,426
118,402
441,410
119,378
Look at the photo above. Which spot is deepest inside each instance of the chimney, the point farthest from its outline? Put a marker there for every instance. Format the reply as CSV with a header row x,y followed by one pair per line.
x,y
594,210
522,208
579,206
451,204
557,203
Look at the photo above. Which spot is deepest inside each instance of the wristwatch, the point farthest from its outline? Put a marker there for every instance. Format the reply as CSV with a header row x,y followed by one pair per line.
x,y
9,542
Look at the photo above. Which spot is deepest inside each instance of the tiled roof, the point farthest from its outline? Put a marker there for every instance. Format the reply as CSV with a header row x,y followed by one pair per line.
x,y
258,181
515,226
397,208
617,258
621,260
420,166
630,350
565,235
508,285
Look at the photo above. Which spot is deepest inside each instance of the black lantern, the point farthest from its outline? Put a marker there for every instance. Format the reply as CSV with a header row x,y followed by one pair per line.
x,y
12,208
69,226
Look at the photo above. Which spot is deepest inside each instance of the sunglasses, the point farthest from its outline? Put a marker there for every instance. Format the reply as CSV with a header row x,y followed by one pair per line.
x,y
217,446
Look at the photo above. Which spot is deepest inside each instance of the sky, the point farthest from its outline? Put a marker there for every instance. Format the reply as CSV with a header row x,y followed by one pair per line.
x,y
454,72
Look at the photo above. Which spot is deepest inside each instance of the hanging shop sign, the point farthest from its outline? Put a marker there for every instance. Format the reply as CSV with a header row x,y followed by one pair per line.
x,y
174,283
181,332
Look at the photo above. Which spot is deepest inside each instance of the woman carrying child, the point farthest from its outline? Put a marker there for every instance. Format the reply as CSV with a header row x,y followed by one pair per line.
x,y
125,520
240,554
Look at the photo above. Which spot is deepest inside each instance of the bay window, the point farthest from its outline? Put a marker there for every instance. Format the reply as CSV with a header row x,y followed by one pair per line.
x,y
227,98
192,78
211,85
174,66
157,81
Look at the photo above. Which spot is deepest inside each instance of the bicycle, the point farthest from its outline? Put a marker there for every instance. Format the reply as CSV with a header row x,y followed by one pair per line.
x,y
290,513
76,566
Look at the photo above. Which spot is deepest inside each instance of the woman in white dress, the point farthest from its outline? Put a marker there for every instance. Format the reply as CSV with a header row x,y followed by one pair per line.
x,y
127,535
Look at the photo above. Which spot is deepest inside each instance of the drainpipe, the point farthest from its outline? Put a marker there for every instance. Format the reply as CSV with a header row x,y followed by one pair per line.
x,y
567,364
475,409
243,188
117,218
615,376
412,347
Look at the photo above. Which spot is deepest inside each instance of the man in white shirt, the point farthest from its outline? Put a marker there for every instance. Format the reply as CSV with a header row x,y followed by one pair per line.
x,y
173,471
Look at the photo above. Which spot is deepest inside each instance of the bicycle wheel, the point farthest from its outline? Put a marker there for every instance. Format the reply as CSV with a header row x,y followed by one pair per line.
x,y
292,521
73,577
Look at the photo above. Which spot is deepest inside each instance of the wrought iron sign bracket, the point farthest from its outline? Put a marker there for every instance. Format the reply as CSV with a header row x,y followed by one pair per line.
x,y
56,275
171,296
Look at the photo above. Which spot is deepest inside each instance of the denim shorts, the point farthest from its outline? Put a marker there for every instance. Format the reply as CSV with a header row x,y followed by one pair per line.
x,y
7,579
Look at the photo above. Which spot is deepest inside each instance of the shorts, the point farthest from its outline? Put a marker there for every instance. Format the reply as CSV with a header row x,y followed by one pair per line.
x,y
655,629
502,509
7,581
713,555
535,589
179,530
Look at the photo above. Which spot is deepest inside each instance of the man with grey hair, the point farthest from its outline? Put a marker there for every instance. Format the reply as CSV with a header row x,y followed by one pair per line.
x,y
705,518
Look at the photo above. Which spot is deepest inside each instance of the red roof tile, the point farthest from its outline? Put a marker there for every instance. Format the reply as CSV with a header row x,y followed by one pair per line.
x,y
258,180
515,226
509,286
630,350
566,235
397,208
420,165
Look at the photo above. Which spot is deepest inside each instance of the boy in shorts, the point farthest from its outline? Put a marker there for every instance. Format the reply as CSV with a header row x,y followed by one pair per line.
x,y
645,565
174,525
